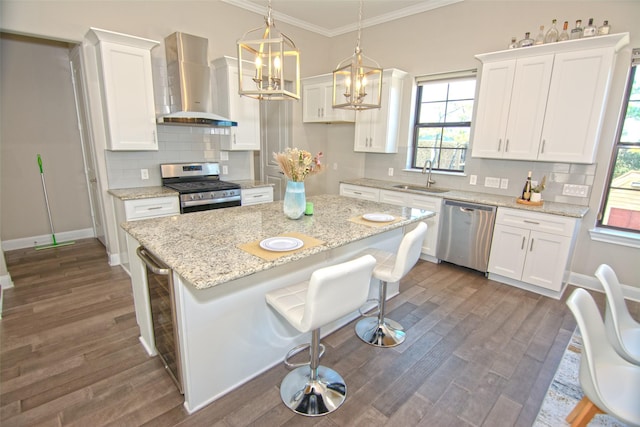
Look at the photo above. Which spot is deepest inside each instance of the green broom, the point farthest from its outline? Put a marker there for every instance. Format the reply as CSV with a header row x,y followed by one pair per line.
x,y
46,201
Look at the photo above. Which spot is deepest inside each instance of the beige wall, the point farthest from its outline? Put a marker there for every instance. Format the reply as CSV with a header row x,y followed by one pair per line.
x,y
444,39
39,117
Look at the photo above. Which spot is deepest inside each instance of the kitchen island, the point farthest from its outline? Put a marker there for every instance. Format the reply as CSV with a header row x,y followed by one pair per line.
x,y
226,332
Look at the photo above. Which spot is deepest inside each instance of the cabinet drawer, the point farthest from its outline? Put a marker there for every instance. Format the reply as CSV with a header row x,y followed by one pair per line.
x,y
254,196
358,192
149,208
548,223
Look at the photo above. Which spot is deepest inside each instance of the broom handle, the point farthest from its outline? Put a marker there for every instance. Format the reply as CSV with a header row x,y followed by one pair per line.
x,y
46,199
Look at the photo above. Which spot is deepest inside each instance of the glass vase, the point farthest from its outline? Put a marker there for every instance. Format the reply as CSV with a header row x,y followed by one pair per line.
x,y
295,201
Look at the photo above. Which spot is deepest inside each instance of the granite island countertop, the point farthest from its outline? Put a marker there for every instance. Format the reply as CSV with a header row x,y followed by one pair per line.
x,y
563,209
202,247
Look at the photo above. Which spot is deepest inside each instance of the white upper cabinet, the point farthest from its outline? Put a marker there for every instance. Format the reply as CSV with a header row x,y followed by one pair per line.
x,y
227,102
317,102
377,129
126,89
545,102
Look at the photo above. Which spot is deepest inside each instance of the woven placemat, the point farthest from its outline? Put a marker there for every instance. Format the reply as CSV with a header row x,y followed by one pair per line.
x,y
360,220
254,247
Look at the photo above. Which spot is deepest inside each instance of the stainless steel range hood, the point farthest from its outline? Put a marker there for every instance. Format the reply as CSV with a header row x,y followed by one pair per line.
x,y
189,83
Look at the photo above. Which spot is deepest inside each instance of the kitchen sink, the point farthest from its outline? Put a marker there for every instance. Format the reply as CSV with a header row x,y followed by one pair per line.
x,y
420,188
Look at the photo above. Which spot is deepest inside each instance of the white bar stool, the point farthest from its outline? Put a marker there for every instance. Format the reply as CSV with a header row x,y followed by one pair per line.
x,y
331,293
382,332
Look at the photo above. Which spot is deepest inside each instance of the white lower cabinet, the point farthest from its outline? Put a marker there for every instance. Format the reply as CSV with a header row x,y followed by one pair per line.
x,y
137,209
531,248
399,198
428,203
255,196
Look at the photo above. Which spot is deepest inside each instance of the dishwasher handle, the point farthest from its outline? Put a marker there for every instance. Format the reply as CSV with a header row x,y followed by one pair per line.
x,y
468,207
154,265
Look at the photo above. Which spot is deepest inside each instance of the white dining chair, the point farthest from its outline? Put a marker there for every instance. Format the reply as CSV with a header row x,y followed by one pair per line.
x,y
610,384
622,329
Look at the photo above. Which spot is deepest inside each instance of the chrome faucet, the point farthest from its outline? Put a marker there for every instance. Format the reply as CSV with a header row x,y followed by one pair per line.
x,y
424,170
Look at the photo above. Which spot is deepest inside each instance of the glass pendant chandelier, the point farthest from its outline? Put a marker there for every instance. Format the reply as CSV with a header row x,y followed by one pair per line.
x,y
268,64
357,80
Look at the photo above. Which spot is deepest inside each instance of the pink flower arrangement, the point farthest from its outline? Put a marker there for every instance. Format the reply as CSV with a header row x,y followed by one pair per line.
x,y
298,164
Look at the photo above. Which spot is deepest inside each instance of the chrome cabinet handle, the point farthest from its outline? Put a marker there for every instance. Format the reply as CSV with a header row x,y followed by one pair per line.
x,y
506,147
499,144
531,247
542,148
523,241
152,264
528,221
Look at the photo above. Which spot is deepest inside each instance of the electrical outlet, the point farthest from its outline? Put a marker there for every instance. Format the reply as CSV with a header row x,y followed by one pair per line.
x,y
335,166
575,190
473,179
225,170
390,171
504,183
492,182
144,173
224,155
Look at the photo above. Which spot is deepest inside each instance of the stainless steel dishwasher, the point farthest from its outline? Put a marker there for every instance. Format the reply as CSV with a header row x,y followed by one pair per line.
x,y
465,235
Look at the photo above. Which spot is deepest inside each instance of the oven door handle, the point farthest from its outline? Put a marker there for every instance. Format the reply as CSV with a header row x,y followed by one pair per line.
x,y
152,263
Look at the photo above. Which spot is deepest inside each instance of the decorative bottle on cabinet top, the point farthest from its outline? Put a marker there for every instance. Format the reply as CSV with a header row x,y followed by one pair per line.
x,y
513,44
526,41
552,34
540,36
604,29
564,35
576,33
590,30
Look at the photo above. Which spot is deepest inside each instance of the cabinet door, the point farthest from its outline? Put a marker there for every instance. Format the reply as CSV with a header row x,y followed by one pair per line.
x,y
128,97
429,246
313,103
492,111
576,104
546,260
246,111
527,107
365,129
508,251
255,196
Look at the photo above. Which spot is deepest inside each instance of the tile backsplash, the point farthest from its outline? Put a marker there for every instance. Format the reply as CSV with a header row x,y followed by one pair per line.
x,y
176,144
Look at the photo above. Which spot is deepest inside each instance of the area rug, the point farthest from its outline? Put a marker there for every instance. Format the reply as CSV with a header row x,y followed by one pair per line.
x,y
565,391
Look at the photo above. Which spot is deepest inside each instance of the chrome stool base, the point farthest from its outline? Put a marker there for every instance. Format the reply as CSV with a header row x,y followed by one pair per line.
x,y
315,397
387,333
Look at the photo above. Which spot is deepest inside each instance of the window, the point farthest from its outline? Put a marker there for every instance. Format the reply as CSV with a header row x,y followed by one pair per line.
x,y
621,207
444,105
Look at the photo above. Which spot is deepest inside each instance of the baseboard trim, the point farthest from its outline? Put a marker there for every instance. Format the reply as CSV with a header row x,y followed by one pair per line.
x,y
6,282
45,239
592,283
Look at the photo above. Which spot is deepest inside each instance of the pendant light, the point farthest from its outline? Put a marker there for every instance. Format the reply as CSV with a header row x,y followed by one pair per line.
x,y
268,64
357,80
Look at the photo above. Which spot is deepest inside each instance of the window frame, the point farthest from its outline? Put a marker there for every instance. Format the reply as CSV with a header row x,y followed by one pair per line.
x,y
634,73
417,126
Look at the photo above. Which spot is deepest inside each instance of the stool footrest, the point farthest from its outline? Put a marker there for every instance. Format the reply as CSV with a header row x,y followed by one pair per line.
x,y
370,313
295,351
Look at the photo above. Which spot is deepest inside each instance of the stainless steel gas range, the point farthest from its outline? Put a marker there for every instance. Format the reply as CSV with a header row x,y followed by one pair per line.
x,y
200,186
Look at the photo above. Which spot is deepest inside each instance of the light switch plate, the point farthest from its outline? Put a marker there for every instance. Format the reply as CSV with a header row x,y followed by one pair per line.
x,y
473,179
575,190
224,155
492,182
504,183
225,170
390,171
144,173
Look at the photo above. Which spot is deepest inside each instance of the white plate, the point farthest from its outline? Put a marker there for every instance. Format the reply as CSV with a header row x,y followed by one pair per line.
x,y
281,244
378,217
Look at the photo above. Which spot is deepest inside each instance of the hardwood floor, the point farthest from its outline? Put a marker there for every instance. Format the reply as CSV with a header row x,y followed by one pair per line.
x,y
478,353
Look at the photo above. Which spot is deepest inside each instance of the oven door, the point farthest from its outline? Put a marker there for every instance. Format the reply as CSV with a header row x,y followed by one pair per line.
x,y
163,314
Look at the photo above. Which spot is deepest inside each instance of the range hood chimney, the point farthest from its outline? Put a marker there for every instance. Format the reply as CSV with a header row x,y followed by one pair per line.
x,y
189,78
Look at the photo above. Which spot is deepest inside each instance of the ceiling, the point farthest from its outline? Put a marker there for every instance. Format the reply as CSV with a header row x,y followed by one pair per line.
x,y
334,17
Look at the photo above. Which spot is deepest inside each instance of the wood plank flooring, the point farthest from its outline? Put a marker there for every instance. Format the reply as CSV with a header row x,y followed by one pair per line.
x,y
478,353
